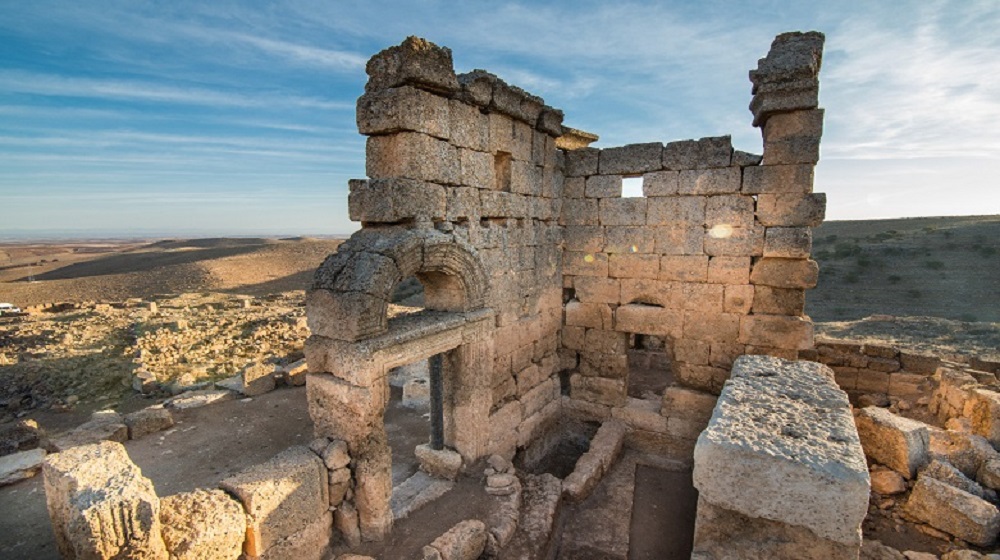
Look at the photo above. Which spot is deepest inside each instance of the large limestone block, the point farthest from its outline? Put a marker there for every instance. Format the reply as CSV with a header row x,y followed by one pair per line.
x,y
310,543
953,511
203,525
100,505
781,445
721,534
785,273
465,541
415,61
102,426
149,420
776,331
403,109
257,379
21,465
984,413
396,199
412,155
280,496
894,441
341,410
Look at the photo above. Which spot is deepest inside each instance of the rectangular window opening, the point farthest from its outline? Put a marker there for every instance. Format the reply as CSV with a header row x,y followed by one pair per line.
x,y
632,187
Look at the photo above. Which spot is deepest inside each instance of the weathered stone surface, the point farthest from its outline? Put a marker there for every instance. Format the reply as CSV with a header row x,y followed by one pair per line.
x,y
724,180
598,390
203,525
778,179
788,242
791,209
21,465
340,410
776,331
345,519
786,426
945,472
887,482
312,542
465,541
442,463
412,155
785,273
103,426
631,159
199,398
785,80
984,413
415,61
396,199
20,435
592,465
149,420
722,534
335,455
280,496
100,505
953,511
894,441
404,108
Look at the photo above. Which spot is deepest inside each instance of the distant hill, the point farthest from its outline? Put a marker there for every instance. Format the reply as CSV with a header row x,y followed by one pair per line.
x,y
946,267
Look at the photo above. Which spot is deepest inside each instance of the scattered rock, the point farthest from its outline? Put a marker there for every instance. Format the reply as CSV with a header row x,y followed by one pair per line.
x,y
147,421
880,400
954,511
105,425
199,398
202,524
465,541
21,465
887,482
875,550
896,442
20,435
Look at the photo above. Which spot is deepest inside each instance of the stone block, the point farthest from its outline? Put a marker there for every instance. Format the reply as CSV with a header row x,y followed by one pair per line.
x,y
706,298
465,541
746,159
984,413
257,379
103,426
634,265
894,441
100,505
681,155
874,382
312,542
579,212
401,109
676,211
475,169
415,62
582,162
953,511
587,239
340,410
632,159
468,127
628,239
713,327
345,520
593,315
730,210
729,270
661,183
585,264
723,533
721,240
919,363
679,240
778,179
411,155
648,319
640,290
785,273
149,420
791,209
442,463
793,137
776,331
622,211
715,151
699,377
591,289
803,455
788,242
778,301
203,524
598,390
344,316
604,449
21,465
603,186
738,299
684,268
20,435
280,496
695,352
693,406
723,180
373,486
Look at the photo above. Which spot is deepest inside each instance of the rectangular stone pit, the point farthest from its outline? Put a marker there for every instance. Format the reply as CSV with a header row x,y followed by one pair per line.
x,y
780,469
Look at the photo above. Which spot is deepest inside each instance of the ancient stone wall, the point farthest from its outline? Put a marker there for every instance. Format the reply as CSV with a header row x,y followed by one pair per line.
x,y
714,257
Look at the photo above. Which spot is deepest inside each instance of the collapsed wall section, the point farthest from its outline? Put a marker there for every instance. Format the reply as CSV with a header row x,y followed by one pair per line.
x,y
713,258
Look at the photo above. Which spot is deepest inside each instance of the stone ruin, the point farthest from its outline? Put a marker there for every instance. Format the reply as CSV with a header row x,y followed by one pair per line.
x,y
542,285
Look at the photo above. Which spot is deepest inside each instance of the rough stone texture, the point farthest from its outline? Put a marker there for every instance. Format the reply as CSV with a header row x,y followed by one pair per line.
x,y
465,541
415,61
100,505
203,525
20,435
896,442
592,465
104,425
21,465
443,463
786,427
148,421
280,496
722,534
887,482
953,511
310,543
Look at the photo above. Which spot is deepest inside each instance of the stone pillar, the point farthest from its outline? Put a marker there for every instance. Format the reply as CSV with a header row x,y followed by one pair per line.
x,y
468,396
780,470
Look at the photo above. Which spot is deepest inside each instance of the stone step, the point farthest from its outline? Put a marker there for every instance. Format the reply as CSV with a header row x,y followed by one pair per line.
x,y
541,498
416,492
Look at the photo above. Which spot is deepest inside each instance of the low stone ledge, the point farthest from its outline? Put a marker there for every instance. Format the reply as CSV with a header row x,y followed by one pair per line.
x,y
781,447
465,541
954,511
591,467
894,441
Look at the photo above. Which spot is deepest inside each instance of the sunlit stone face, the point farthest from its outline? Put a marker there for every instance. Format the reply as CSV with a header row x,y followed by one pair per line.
x,y
721,231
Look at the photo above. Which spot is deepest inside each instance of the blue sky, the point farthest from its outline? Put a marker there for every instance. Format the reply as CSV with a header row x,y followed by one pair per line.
x,y
224,117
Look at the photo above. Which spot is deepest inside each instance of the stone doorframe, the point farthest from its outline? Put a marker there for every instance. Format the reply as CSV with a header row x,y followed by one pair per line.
x,y
347,400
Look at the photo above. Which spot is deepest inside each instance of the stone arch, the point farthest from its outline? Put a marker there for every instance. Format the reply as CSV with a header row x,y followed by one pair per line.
x,y
352,289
